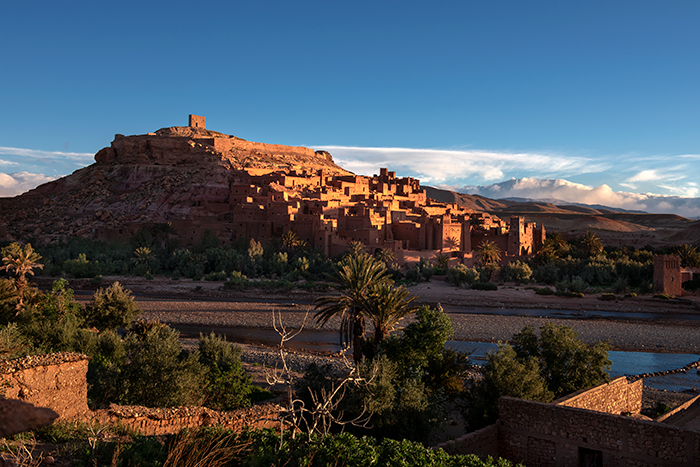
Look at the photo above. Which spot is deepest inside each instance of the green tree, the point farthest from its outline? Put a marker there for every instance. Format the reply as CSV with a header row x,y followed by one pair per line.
x,y
356,248
422,340
354,278
567,363
488,252
158,372
385,255
110,308
20,261
504,374
227,385
290,241
442,261
142,260
516,271
591,244
385,306
690,258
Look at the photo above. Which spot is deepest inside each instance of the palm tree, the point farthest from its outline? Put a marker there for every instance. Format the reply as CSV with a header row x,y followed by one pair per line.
x,y
488,252
442,261
355,278
385,306
356,248
22,261
143,257
290,241
162,234
385,255
690,258
591,244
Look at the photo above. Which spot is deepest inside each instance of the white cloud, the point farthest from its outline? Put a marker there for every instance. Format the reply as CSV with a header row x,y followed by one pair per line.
x,y
17,183
81,157
578,193
439,166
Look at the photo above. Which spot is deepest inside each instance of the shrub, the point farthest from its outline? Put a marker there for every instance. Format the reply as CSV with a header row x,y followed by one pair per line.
x,y
548,273
537,368
216,276
227,386
111,308
567,363
543,291
158,373
608,297
516,271
503,375
461,274
413,275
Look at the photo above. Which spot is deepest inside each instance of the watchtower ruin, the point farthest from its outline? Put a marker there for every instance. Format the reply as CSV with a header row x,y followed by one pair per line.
x,y
197,121
667,275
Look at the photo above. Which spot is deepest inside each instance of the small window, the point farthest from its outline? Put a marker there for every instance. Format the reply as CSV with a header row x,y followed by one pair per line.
x,y
590,457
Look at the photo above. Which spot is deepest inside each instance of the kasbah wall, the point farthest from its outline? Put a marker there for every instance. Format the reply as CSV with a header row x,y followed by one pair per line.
x,y
596,427
326,210
58,381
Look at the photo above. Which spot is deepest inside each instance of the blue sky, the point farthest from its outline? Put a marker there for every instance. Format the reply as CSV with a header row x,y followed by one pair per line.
x,y
595,102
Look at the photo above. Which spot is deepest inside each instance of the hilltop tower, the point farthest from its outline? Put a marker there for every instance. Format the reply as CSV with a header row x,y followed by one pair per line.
x,y
197,121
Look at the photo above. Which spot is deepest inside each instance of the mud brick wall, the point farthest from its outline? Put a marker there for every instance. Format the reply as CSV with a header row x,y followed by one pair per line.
x,y
667,275
148,421
482,442
539,434
57,381
616,397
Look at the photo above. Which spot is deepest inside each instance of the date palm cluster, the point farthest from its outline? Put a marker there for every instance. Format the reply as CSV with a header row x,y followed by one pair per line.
x,y
367,293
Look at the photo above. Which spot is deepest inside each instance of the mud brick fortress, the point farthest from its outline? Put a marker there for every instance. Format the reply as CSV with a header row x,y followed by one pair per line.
x,y
271,189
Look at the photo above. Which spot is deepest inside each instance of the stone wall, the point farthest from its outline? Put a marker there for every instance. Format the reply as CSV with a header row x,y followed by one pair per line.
x,y
539,434
235,144
616,397
482,442
56,381
148,421
197,121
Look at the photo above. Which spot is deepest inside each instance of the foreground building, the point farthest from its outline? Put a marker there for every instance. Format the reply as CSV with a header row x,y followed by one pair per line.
x,y
597,427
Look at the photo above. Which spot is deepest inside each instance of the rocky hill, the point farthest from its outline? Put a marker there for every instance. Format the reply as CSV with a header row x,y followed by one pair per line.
x,y
171,174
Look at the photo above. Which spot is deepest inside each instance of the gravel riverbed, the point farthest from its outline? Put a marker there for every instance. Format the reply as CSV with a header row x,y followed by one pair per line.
x,y
622,335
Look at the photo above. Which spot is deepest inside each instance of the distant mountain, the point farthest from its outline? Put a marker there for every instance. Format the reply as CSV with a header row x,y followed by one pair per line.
x,y
614,225
561,192
566,204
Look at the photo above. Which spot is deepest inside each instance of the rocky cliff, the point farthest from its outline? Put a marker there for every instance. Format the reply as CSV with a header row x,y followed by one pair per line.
x,y
169,175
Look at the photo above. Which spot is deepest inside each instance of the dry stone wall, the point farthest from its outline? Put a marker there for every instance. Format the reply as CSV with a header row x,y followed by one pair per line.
x,y
56,381
482,442
148,421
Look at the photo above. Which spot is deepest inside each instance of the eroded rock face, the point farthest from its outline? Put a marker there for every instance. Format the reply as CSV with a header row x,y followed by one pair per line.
x,y
171,175
17,416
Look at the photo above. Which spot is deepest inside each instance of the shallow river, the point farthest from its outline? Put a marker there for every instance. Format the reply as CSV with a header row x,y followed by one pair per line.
x,y
623,363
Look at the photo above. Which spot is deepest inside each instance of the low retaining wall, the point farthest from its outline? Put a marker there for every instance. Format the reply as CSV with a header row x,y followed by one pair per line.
x,y
148,421
56,381
482,442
